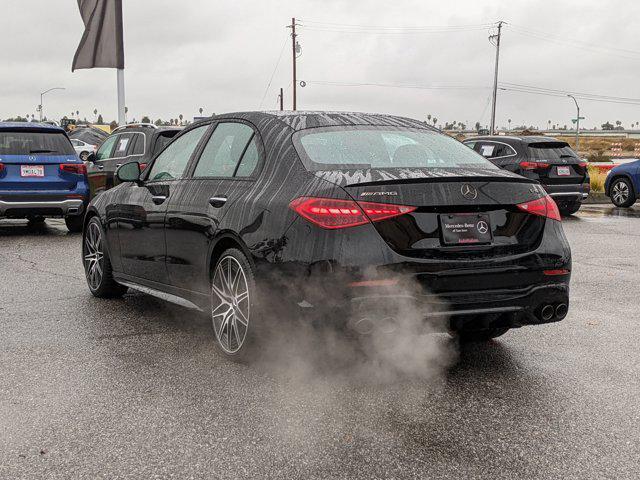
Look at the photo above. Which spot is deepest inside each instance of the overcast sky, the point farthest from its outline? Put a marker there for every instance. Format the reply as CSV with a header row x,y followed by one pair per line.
x,y
220,55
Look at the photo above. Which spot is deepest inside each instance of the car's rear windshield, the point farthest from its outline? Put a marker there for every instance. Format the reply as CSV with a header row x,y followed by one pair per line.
x,y
364,147
20,142
550,151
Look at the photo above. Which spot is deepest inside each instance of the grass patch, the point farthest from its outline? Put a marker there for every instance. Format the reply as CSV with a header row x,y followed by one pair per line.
x,y
597,179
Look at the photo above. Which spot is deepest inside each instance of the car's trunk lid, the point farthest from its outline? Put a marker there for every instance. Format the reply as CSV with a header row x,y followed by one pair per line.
x,y
558,163
460,213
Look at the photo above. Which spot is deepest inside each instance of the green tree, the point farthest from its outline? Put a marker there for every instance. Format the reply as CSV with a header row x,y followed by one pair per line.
x,y
100,120
145,119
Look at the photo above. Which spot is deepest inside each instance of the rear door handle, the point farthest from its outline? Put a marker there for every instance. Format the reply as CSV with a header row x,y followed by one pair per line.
x,y
158,199
217,201
100,167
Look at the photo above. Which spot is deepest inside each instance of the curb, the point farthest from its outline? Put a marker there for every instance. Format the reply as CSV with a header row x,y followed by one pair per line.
x,y
597,198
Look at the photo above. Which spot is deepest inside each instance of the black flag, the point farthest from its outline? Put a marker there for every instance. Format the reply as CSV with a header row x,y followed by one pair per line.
x,y
101,44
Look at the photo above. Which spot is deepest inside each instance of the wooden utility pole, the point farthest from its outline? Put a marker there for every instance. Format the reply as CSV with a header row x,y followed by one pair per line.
x,y
281,98
293,57
496,38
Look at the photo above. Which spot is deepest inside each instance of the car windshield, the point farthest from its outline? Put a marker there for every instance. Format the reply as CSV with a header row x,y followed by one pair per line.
x,y
18,142
550,151
364,147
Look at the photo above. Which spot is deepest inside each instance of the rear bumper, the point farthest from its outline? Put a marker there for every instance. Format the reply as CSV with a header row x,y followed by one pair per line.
x,y
568,192
20,209
470,310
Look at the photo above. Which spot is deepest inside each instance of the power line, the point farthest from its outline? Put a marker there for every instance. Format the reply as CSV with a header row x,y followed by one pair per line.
x,y
592,47
395,85
274,72
563,94
390,30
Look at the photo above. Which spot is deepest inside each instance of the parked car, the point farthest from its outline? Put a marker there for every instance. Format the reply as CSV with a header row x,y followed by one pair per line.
x,y
136,141
623,184
83,149
244,212
559,169
41,175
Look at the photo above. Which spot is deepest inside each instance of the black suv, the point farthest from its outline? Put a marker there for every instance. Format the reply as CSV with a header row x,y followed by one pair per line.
x,y
133,142
550,161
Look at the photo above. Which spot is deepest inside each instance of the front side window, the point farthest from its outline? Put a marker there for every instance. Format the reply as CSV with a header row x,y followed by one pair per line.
x,y
105,150
364,147
172,162
224,150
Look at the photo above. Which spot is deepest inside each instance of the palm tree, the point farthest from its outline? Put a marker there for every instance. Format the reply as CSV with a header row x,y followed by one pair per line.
x,y
95,112
180,117
201,110
548,124
435,120
429,118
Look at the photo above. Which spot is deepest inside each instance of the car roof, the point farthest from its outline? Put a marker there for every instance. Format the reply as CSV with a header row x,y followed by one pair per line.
x,y
515,138
300,120
32,126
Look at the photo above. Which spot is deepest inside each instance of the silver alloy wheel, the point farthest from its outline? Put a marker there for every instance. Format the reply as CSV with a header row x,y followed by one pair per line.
x,y
230,304
620,192
93,256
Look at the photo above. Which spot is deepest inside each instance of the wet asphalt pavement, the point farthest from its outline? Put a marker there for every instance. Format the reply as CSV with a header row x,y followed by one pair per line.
x,y
133,388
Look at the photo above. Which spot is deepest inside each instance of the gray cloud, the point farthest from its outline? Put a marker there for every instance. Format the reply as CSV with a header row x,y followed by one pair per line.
x,y
219,55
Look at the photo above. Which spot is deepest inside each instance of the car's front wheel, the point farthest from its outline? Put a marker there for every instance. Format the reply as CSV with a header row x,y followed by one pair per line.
x,y
233,293
622,194
97,265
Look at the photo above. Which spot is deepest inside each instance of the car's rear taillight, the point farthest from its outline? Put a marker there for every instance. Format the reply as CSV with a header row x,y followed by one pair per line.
x,y
545,207
583,164
1,167
332,213
143,166
533,165
79,168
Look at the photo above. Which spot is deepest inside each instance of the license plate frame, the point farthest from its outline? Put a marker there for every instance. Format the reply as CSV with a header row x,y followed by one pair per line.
x,y
563,171
462,229
31,171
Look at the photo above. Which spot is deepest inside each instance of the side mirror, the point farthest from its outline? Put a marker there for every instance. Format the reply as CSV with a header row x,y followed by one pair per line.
x,y
91,157
129,172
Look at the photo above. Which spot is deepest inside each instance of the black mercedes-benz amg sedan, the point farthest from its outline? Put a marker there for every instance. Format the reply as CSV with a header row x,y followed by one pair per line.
x,y
343,210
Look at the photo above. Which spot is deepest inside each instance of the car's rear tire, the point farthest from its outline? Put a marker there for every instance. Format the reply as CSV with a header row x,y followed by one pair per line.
x,y
74,223
478,336
622,193
97,266
84,155
569,208
233,297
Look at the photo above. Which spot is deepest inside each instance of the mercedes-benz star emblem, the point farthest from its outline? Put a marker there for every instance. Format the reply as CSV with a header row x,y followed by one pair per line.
x,y
469,192
482,227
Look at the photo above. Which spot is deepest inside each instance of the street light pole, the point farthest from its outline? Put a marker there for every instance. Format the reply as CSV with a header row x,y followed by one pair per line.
x,y
42,95
577,121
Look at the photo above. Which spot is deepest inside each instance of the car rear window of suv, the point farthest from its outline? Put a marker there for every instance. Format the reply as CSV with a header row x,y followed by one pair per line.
x,y
364,147
550,151
20,142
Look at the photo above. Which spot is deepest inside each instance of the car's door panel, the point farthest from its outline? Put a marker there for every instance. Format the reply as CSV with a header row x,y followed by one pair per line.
x,y
202,201
141,213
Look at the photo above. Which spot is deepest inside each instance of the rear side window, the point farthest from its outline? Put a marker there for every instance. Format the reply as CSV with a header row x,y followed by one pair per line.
x,y
121,145
18,142
137,148
224,149
171,163
494,150
550,151
364,147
